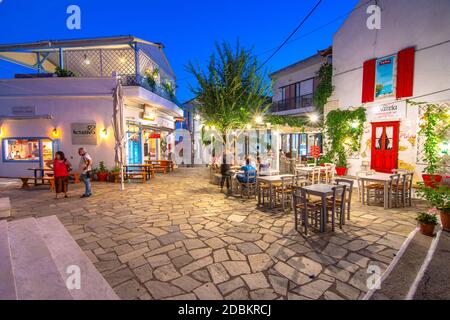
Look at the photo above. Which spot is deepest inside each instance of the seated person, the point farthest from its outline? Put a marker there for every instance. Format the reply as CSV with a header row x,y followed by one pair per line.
x,y
246,176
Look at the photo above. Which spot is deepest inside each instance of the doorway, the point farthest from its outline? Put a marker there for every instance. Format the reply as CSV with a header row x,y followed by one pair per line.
x,y
384,155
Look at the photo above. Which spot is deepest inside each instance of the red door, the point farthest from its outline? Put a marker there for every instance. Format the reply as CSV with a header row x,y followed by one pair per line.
x,y
385,146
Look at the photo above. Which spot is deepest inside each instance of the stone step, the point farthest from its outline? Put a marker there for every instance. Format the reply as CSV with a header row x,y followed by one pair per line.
x,y
5,208
435,283
35,273
401,278
69,258
7,286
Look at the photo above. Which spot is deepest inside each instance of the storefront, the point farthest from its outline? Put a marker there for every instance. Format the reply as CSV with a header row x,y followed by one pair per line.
x,y
298,145
33,150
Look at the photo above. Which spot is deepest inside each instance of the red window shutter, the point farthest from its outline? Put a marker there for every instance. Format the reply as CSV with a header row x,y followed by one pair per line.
x,y
405,73
368,87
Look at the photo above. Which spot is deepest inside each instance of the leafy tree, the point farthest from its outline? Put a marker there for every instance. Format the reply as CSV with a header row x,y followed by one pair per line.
x,y
231,90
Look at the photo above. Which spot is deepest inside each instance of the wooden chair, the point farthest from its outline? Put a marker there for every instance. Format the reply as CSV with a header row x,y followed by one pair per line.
x,y
349,189
314,176
284,192
249,185
305,210
405,189
336,205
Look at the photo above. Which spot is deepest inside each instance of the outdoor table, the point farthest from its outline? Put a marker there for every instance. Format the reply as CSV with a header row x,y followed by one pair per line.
x,y
383,178
323,191
162,163
270,172
42,172
270,180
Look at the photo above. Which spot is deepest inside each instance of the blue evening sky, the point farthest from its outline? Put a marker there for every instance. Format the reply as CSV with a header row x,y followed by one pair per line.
x,y
187,28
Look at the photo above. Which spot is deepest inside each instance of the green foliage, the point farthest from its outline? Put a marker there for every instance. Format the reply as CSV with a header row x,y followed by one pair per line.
x,y
343,133
115,170
169,89
163,145
101,167
152,76
63,73
325,88
325,159
434,128
438,197
295,122
231,91
204,138
427,218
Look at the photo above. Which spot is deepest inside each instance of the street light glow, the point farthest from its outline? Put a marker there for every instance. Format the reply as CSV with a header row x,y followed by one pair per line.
x,y
314,118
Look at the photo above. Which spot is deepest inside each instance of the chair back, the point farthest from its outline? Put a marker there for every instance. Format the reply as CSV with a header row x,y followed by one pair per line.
x,y
349,186
339,193
407,181
394,182
287,182
299,181
310,165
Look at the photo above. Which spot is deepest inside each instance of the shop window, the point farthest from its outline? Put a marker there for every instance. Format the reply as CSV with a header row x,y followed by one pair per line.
x,y
21,149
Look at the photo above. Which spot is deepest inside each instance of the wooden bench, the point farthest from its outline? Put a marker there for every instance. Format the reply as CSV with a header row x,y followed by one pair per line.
x,y
140,175
26,185
160,169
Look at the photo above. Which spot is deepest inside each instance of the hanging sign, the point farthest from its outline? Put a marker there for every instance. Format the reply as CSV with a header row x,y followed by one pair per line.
x,y
84,133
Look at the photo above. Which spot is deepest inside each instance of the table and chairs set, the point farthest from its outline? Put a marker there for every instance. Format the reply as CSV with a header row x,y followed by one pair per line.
x,y
319,199
145,172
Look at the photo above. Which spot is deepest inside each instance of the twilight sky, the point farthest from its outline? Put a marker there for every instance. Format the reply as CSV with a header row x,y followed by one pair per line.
x,y
187,28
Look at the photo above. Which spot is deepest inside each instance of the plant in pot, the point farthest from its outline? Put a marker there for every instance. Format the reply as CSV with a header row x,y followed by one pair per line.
x,y
434,128
341,165
325,159
102,173
427,222
439,198
114,174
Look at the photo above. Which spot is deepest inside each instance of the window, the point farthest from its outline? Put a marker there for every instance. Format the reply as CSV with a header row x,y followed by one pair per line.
x,y
21,149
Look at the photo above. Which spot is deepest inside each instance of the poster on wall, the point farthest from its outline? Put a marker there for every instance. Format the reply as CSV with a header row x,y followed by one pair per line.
x,y
384,80
84,133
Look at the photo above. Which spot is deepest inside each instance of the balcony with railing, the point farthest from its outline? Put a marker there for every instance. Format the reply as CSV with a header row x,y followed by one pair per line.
x,y
163,90
297,103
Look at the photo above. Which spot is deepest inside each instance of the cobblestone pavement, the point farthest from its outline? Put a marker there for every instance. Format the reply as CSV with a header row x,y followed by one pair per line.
x,y
178,237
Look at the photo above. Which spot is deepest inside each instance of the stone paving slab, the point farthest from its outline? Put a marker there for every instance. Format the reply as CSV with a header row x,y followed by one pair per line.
x,y
178,237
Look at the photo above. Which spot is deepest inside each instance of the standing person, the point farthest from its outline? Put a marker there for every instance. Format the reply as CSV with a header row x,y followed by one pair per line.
x,y
61,167
85,168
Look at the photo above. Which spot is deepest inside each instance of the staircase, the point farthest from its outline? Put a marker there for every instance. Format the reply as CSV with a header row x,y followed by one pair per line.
x,y
419,271
39,260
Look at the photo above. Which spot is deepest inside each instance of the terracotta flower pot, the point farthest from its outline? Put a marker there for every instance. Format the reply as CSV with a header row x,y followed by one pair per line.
x,y
427,229
341,171
431,180
445,220
102,176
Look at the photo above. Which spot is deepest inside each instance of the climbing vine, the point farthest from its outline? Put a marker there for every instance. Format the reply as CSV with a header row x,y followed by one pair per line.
x,y
343,131
325,87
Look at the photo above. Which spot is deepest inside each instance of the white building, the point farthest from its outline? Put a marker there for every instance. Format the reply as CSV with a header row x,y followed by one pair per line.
x,y
41,114
408,57
293,94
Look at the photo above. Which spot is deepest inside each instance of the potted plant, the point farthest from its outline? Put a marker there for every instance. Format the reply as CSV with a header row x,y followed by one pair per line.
x,y
114,174
325,159
439,198
102,173
341,165
427,222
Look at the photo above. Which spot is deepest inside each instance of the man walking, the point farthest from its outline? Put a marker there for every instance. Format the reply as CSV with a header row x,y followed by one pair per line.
x,y
85,169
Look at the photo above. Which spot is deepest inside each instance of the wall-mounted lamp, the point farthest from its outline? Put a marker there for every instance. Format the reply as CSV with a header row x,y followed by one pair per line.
x,y
55,132
104,133
259,119
1,132
314,118
86,60
249,126
122,60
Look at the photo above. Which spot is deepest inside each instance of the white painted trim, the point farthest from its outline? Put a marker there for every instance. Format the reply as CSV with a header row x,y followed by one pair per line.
x,y
423,268
393,263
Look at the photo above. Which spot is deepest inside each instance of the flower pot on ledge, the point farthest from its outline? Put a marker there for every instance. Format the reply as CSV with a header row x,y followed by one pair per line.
x,y
445,220
427,229
341,171
431,180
